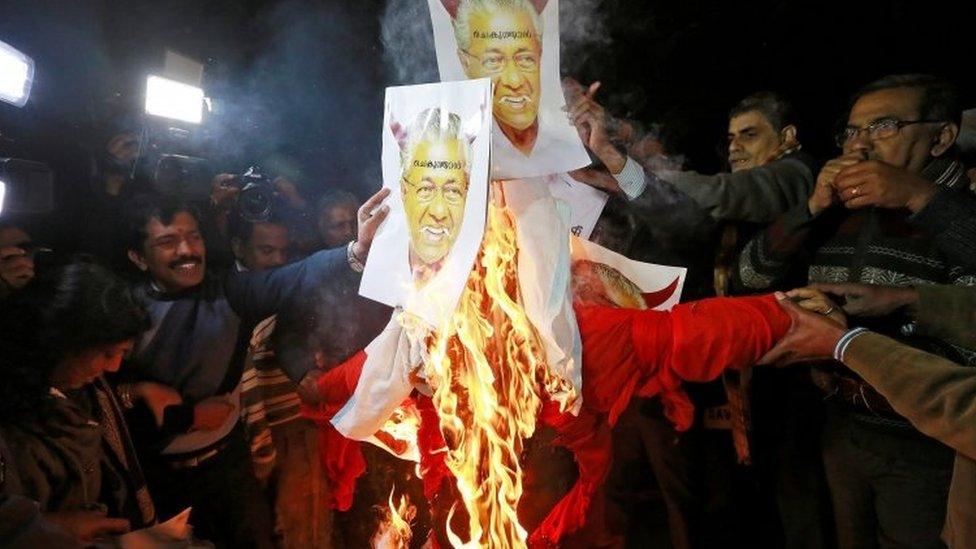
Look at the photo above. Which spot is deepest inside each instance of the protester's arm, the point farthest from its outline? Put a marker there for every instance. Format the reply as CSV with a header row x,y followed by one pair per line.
x,y
258,295
755,195
936,395
950,217
946,312
769,256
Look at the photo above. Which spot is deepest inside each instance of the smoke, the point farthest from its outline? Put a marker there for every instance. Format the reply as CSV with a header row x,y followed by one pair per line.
x,y
309,103
408,43
583,34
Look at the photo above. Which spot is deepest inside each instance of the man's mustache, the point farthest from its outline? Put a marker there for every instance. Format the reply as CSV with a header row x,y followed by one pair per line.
x,y
195,259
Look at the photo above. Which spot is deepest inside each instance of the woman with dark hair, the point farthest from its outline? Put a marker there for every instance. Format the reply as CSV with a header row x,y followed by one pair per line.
x,y
61,421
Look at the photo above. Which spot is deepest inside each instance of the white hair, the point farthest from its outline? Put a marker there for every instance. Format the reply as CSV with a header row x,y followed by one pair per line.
x,y
432,125
462,20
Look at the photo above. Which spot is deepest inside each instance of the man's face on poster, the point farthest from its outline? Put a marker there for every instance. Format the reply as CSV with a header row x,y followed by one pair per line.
x,y
506,47
435,189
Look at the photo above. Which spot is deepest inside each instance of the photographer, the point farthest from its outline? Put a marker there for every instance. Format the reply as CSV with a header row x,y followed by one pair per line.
x,y
200,327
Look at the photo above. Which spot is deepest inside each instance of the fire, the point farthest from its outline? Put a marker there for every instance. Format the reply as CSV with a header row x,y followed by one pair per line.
x,y
394,531
489,374
398,434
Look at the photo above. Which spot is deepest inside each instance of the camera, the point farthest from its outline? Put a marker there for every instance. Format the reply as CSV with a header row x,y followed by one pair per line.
x,y
256,200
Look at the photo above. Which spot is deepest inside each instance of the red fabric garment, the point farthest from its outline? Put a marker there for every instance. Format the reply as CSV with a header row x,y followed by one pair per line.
x,y
341,457
627,352
433,449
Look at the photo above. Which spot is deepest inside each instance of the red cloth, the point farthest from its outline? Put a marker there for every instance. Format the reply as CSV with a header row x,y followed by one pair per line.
x,y
341,457
625,352
628,352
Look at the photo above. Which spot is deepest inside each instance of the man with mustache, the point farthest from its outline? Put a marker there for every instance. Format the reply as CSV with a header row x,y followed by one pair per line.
x,y
502,40
890,210
434,186
201,324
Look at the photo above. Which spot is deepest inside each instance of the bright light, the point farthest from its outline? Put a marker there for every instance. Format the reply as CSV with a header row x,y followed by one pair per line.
x,y
3,191
16,75
172,99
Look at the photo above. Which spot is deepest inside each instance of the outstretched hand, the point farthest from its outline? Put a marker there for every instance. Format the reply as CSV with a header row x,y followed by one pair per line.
x,y
811,336
370,216
871,300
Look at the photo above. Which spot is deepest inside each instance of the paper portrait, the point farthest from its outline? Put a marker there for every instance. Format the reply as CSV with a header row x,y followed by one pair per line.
x,y
597,270
436,143
516,44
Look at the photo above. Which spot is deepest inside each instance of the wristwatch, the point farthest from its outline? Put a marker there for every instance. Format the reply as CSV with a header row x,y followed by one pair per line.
x,y
354,263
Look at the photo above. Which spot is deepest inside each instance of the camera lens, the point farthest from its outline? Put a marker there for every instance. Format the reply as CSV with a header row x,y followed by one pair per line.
x,y
255,202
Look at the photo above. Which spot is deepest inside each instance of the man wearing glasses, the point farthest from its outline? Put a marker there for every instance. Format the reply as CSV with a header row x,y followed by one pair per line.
x,y
503,41
894,209
434,187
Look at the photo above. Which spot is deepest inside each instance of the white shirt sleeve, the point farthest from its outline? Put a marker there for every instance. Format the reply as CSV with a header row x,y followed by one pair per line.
x,y
631,179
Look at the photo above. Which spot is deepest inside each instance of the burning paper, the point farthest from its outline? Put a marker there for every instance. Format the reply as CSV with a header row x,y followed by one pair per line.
x,y
516,44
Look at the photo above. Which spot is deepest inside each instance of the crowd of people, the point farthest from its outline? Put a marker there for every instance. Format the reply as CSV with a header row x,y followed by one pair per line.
x,y
171,361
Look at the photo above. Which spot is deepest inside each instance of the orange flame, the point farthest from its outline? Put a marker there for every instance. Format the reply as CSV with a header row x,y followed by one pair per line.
x,y
394,530
488,370
398,434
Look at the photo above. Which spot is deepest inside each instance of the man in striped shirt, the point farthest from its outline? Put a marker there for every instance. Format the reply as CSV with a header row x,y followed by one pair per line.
x,y
283,444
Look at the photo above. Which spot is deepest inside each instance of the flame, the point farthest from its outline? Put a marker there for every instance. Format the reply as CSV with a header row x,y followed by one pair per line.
x,y
488,371
398,435
393,531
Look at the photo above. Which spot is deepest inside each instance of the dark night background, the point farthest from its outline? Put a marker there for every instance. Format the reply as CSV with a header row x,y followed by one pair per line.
x,y
299,85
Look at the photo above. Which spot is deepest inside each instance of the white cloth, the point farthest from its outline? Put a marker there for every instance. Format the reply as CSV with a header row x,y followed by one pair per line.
x,y
383,384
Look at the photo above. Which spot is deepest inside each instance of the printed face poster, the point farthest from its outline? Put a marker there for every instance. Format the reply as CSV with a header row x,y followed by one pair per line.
x,y
436,142
608,273
515,43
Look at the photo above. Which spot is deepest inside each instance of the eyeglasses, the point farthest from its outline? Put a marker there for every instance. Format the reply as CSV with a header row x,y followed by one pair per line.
x,y
884,128
495,63
426,191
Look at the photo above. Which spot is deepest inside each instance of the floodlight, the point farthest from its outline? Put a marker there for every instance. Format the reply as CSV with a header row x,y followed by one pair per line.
x,y
16,75
171,99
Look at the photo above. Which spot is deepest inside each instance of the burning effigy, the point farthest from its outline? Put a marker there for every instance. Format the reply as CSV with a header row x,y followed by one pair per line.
x,y
500,325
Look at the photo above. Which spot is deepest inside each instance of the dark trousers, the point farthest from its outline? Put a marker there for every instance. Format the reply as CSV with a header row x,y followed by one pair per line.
x,y
228,506
793,502
696,473
889,484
